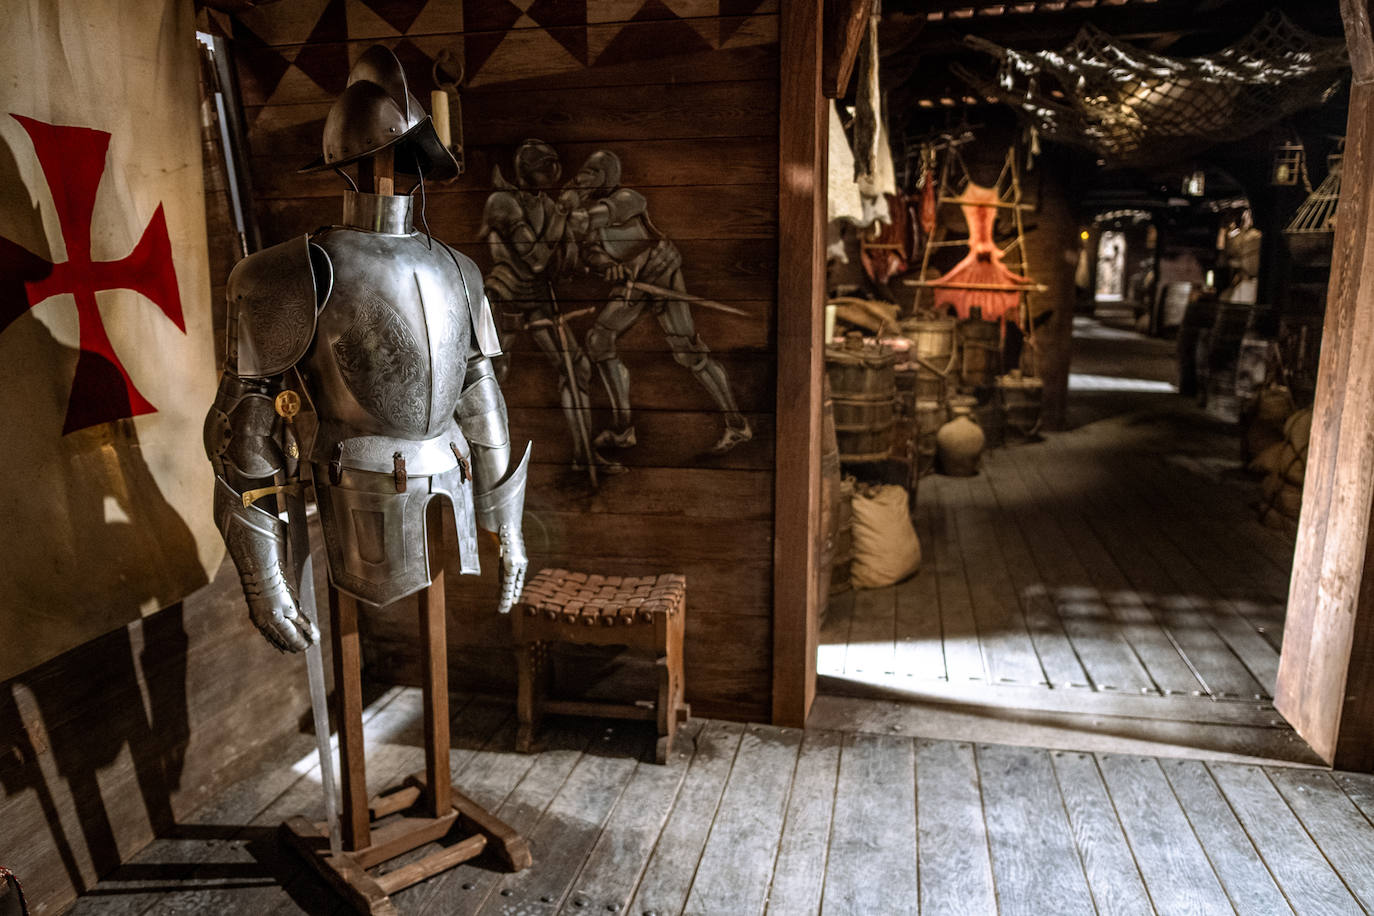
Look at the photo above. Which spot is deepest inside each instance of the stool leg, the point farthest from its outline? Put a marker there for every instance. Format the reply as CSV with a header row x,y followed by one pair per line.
x,y
529,676
664,651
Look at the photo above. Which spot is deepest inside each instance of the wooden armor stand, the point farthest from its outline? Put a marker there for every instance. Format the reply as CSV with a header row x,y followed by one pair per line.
x,y
425,808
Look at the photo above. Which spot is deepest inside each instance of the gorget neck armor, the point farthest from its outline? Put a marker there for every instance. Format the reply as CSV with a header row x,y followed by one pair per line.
x,y
389,214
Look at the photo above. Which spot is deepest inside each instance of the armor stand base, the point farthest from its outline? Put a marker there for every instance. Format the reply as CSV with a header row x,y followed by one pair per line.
x,y
424,809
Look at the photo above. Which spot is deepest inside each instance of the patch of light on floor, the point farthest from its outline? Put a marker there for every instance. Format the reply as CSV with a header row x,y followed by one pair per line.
x,y
1079,381
830,657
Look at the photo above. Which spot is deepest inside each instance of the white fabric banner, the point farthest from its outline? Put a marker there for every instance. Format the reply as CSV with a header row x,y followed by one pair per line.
x,y
106,347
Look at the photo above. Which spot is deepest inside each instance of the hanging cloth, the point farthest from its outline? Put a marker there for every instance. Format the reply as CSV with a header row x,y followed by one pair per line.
x,y
844,201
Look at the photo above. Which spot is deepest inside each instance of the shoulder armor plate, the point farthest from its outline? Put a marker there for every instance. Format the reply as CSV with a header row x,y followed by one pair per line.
x,y
276,294
484,334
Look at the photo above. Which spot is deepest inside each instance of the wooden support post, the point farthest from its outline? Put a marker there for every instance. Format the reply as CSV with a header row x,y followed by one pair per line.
x,y
434,659
379,172
1326,671
348,692
802,142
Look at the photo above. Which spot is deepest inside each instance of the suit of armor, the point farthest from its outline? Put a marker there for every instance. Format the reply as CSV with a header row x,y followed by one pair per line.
x,y
388,334
620,243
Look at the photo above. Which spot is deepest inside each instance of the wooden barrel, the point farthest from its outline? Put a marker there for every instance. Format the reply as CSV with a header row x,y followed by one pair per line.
x,y
844,538
1020,398
829,525
864,391
932,353
980,352
930,416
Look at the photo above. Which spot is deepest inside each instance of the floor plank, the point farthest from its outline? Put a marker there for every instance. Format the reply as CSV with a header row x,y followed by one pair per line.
x,y
799,874
1098,642
872,863
1168,671
1177,873
919,650
1334,823
1303,873
1057,657
1107,858
571,824
737,863
748,819
668,877
1237,863
465,889
1035,860
1006,641
954,869
872,633
612,868
963,655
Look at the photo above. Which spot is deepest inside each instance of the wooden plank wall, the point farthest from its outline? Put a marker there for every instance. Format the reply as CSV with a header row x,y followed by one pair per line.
x,y
688,99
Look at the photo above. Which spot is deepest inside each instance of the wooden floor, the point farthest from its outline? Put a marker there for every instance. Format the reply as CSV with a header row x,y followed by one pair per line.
x,y
1119,559
758,819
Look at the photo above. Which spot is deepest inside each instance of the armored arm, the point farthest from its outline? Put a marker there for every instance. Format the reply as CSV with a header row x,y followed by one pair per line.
x,y
242,442
273,297
498,481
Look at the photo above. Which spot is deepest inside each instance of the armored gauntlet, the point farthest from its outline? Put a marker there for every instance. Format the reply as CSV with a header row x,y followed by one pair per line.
x,y
498,483
240,443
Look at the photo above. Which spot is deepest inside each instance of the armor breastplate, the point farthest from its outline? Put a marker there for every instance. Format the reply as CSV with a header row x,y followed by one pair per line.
x,y
392,342
385,373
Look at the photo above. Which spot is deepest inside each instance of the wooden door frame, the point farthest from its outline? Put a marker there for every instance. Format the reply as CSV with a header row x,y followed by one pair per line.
x,y
802,138
1326,669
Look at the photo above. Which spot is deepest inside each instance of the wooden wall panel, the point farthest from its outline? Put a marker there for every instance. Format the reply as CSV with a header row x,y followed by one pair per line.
x,y
111,743
688,99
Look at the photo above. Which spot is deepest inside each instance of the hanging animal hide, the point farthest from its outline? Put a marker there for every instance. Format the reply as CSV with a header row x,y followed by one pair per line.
x,y
981,280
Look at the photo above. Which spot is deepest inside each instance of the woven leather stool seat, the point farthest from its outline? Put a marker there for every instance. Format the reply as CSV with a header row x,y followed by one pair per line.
x,y
644,613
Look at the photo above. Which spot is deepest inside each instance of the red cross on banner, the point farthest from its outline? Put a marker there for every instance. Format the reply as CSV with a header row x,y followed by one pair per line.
x,y
73,162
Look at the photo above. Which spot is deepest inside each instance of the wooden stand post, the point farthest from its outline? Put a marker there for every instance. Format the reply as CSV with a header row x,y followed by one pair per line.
x,y
425,808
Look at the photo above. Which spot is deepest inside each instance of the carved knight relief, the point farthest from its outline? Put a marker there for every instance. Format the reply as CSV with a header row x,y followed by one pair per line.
x,y
541,237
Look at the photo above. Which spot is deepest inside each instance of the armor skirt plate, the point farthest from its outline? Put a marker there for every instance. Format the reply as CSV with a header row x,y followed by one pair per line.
x,y
378,540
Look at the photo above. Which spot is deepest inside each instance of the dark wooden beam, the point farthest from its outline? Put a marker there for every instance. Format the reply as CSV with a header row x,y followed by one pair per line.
x,y
843,28
1326,672
801,299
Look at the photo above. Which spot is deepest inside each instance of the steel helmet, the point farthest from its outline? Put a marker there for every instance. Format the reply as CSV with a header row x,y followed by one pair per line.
x,y
376,111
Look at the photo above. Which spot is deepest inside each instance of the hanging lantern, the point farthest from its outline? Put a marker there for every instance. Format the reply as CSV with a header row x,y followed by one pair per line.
x,y
1288,165
1195,183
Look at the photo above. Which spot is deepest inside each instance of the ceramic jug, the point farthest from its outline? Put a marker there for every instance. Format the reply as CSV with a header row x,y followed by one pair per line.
x,y
959,444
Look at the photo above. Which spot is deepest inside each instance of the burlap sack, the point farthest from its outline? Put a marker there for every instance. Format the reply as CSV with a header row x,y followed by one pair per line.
x,y
886,549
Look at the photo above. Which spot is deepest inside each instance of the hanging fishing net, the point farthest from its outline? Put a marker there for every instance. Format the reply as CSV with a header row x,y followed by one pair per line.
x,y
1136,107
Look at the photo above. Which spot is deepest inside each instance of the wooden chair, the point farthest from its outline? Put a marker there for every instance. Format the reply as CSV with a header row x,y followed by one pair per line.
x,y
643,613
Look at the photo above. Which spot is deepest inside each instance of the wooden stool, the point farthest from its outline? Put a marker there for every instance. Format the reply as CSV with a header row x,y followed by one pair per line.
x,y
644,613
